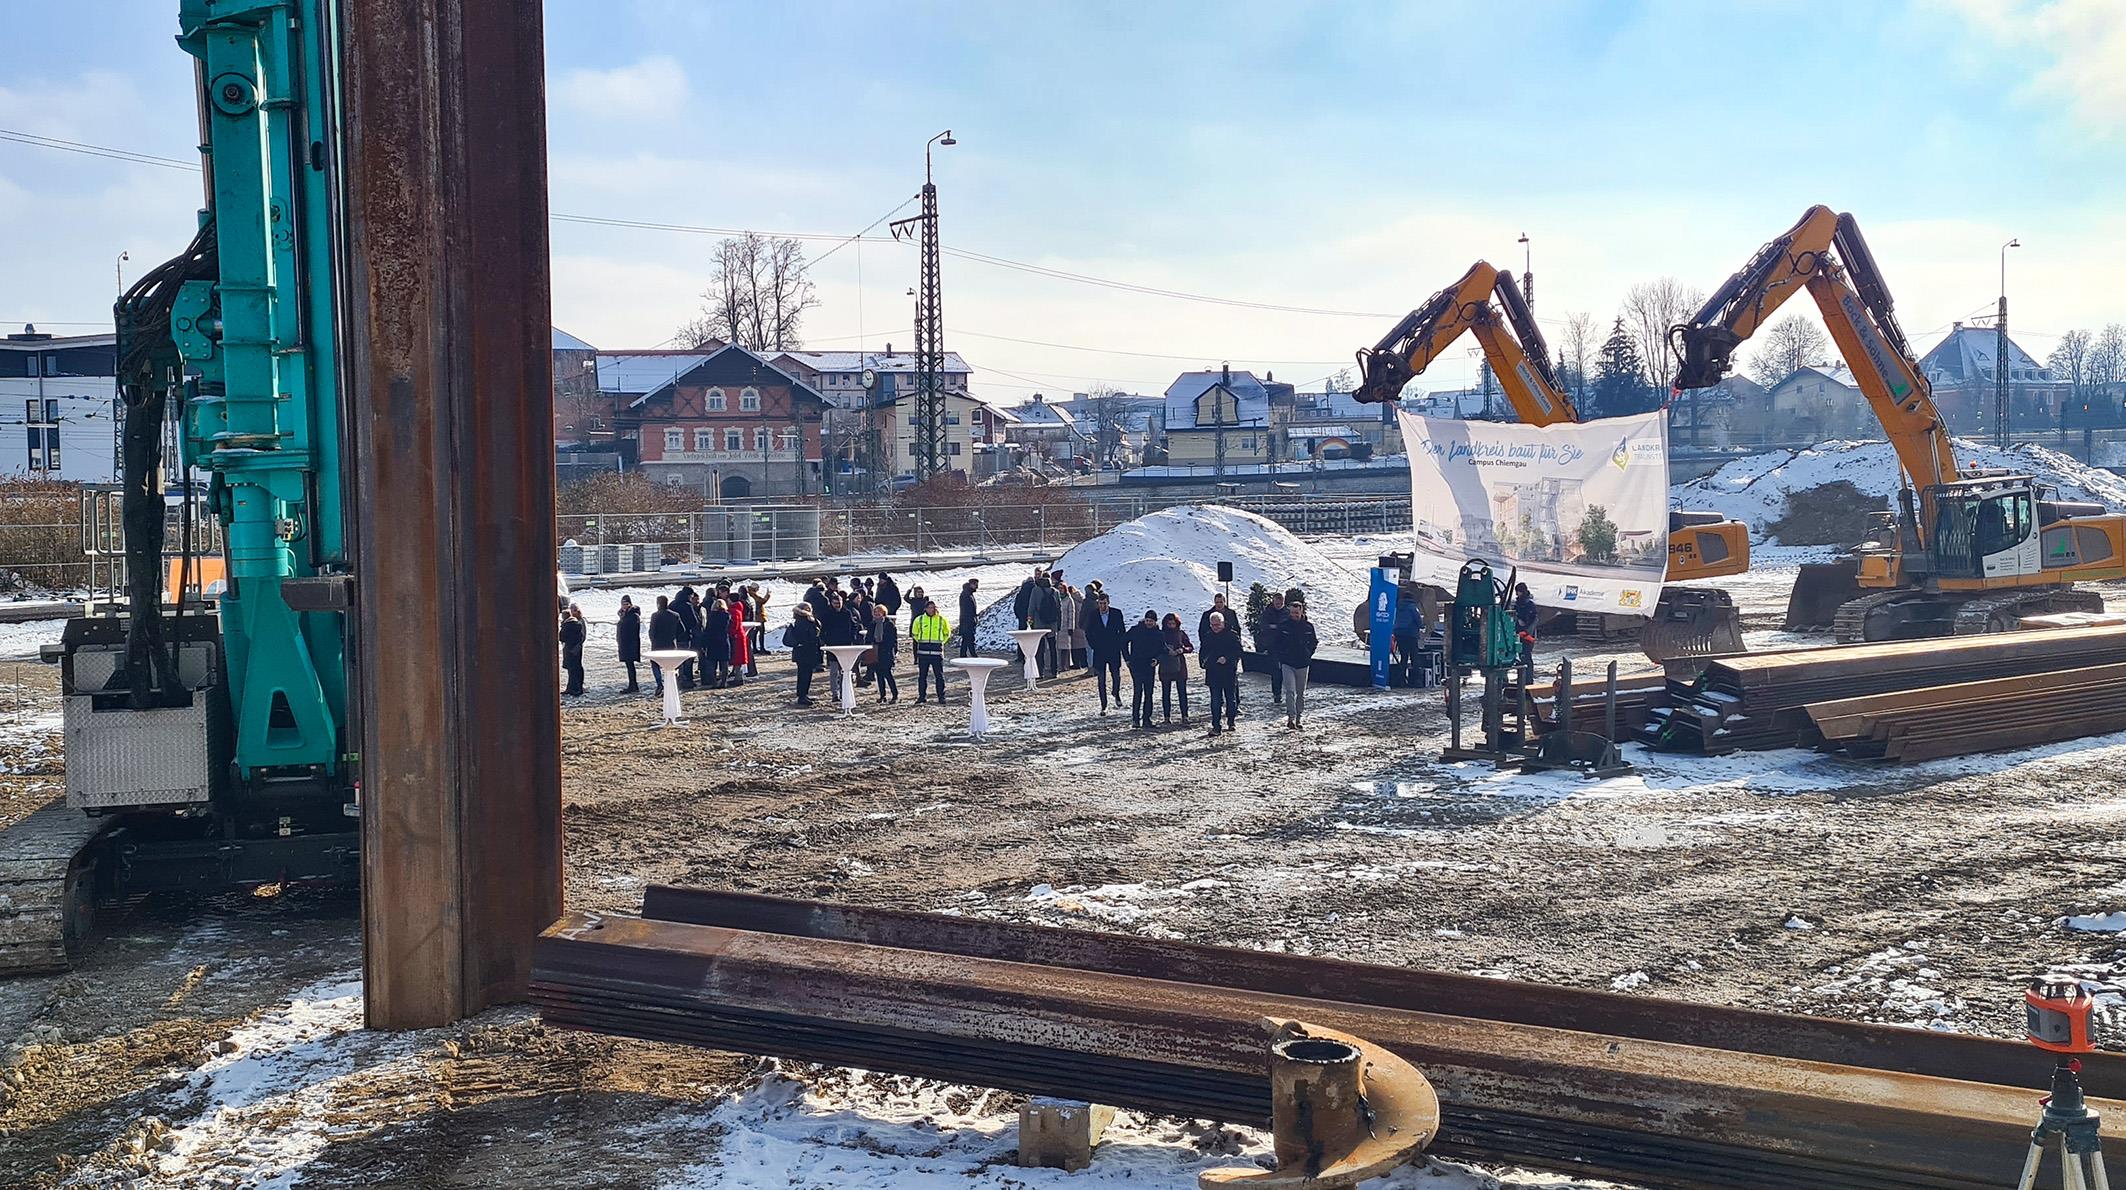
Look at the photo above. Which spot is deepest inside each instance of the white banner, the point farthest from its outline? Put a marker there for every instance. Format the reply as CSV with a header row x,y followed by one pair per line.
x,y
1580,509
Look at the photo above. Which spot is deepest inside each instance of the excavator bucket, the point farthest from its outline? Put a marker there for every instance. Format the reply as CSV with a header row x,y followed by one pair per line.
x,y
1692,622
1819,591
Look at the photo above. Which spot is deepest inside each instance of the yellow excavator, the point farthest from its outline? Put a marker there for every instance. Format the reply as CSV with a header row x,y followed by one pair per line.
x,y
1967,551
1486,303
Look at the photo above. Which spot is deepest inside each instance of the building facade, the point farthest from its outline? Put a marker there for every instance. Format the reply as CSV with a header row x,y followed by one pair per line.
x,y
726,421
1962,370
1328,425
1040,430
840,376
1217,418
59,406
1817,403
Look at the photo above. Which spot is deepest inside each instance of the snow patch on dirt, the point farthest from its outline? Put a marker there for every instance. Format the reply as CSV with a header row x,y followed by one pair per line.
x,y
1755,488
802,1126
22,641
1121,904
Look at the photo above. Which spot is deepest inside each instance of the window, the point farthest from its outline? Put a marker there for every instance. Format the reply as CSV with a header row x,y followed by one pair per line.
x,y
733,440
704,440
760,438
716,401
749,400
952,448
675,440
42,434
789,440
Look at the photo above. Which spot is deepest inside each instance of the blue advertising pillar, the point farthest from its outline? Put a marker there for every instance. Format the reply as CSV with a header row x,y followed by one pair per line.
x,y
1381,608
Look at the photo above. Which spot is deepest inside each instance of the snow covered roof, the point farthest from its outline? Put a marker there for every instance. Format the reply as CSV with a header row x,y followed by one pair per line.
x,y
1966,356
563,341
857,361
1334,405
1250,398
1043,414
642,371
1321,431
1835,373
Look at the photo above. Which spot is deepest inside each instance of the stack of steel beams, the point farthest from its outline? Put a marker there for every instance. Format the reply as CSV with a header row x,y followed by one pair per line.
x,y
1762,701
1597,1084
1967,717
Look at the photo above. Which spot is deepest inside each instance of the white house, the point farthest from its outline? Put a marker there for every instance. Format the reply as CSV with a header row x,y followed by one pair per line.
x,y
840,375
58,406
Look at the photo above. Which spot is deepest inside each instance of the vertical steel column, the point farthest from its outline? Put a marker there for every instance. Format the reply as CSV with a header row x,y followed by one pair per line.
x,y
453,462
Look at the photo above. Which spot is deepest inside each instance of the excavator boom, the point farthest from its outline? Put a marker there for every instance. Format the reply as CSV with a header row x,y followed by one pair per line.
x,y
1507,333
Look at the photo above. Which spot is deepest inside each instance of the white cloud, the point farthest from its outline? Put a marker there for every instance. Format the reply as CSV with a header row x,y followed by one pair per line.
x,y
655,86
2085,40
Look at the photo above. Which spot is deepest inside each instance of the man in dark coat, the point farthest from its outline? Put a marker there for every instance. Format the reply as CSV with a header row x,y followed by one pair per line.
x,y
1408,637
802,639
1217,607
1273,618
572,635
1524,617
1296,641
1145,645
1219,653
688,606
665,630
1045,610
888,592
967,616
1105,636
714,645
627,639
816,595
837,627
1022,603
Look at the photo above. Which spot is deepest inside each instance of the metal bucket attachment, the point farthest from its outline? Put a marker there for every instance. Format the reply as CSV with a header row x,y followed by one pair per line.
x,y
1341,1110
1820,589
1692,622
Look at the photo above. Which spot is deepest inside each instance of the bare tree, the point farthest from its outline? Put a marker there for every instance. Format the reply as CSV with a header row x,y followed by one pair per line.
x,y
1338,382
1110,423
2107,360
1650,308
1576,353
2070,362
1787,346
757,296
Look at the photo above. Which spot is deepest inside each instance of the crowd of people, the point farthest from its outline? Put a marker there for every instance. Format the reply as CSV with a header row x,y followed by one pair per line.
x,y
723,628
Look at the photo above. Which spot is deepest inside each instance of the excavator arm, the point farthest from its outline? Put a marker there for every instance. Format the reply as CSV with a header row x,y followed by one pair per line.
x,y
1506,332
1825,254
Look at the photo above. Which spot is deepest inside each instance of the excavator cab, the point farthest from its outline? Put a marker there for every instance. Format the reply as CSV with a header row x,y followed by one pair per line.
x,y
1985,529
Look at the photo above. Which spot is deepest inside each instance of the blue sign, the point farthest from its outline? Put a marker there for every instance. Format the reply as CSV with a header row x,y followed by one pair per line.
x,y
1381,614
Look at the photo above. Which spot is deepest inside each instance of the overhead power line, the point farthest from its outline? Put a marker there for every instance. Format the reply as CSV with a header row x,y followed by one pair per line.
x,y
69,146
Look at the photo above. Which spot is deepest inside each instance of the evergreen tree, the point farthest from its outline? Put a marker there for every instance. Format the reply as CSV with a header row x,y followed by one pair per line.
x,y
1598,535
1620,384
1258,599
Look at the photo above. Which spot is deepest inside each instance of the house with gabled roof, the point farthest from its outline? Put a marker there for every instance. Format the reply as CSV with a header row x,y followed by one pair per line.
x,y
724,420
1215,418
1962,370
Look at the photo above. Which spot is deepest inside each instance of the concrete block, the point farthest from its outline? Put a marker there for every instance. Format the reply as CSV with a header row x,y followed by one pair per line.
x,y
1060,1133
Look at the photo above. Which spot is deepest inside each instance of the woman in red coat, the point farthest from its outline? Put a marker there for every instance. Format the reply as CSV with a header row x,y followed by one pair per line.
x,y
741,643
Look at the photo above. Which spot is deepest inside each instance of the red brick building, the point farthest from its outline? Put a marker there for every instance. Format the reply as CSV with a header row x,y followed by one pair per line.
x,y
733,424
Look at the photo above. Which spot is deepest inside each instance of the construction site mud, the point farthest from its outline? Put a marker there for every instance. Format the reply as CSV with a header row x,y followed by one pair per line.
x,y
217,1041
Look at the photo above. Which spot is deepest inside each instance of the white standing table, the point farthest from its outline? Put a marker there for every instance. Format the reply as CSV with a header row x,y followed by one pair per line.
x,y
668,661
977,670
847,655
1029,645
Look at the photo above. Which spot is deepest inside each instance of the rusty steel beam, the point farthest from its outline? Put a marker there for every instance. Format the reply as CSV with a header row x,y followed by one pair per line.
x,y
1654,1112
1805,1038
449,356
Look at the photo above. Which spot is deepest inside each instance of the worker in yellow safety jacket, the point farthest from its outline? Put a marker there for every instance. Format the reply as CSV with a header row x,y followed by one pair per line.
x,y
929,632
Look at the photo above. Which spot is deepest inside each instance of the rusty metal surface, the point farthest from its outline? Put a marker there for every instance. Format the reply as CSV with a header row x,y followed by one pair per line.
x,y
1342,1110
1818,1039
1655,1112
443,185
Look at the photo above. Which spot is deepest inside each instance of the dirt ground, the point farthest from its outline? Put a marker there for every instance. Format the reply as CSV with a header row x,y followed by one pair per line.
x,y
1914,895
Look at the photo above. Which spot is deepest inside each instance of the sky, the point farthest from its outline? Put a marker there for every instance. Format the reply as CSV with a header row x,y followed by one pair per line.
x,y
1341,160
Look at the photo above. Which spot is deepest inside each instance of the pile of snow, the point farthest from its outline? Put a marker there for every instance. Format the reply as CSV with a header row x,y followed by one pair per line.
x,y
1755,488
2096,923
1168,562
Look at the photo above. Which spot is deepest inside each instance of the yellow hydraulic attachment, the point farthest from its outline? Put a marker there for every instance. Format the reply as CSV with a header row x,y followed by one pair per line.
x,y
1968,551
1701,545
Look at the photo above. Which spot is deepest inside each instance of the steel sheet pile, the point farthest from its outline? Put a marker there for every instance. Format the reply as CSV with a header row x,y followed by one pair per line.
x,y
1763,701
1654,1092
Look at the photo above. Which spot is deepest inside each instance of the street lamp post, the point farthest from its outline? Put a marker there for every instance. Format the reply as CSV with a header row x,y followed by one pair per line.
x,y
119,268
1527,272
2001,428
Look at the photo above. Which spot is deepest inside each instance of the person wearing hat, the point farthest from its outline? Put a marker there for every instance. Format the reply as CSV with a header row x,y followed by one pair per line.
x,y
1145,647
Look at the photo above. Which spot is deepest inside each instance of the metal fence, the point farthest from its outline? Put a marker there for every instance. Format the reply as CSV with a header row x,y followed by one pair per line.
x,y
1015,517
